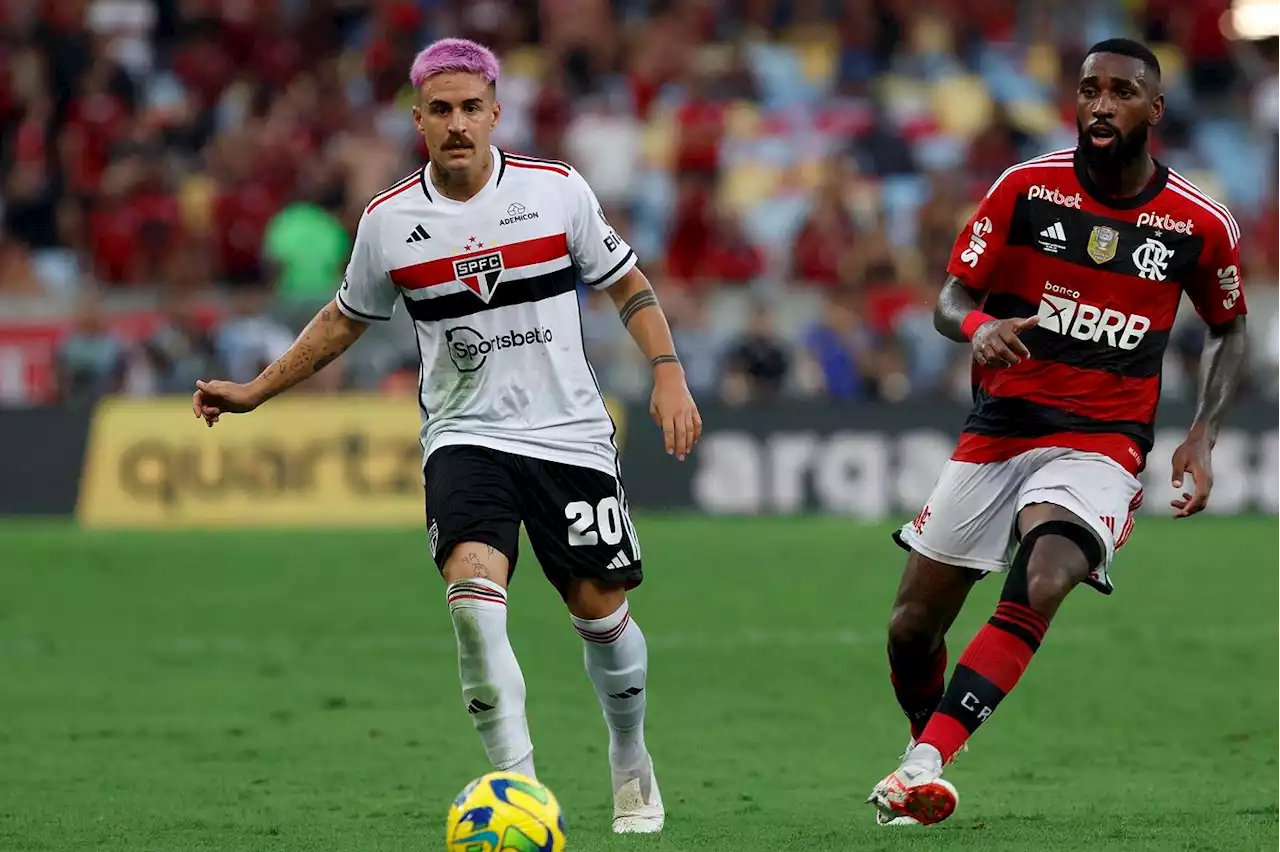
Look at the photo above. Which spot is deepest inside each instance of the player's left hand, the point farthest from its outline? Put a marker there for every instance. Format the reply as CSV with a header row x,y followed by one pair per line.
x,y
1193,457
672,407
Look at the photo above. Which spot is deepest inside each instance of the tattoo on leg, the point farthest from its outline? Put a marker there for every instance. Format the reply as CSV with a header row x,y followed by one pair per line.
x,y
478,568
324,361
637,303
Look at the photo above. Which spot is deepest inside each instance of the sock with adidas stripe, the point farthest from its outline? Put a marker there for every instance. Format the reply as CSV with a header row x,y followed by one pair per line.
x,y
492,684
617,660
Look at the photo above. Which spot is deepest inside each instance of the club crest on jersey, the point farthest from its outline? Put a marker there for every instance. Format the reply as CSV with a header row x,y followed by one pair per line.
x,y
480,273
1103,242
1152,259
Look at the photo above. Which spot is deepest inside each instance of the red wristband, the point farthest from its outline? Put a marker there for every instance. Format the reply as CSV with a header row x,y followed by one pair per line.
x,y
972,320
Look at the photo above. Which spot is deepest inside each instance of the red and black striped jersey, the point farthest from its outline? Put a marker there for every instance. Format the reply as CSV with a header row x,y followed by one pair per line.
x,y
1105,276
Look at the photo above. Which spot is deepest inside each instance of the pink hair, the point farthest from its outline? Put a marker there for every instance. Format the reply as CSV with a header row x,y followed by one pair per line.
x,y
453,56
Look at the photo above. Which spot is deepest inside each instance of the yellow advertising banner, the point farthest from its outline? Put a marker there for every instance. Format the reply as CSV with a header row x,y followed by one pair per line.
x,y
301,461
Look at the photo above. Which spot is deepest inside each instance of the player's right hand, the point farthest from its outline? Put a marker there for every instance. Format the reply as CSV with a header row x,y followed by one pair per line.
x,y
213,399
996,343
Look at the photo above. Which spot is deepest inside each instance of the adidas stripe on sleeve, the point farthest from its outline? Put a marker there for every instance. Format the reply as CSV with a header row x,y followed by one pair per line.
x,y
602,257
367,293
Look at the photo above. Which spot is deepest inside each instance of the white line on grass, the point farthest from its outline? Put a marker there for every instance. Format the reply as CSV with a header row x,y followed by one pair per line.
x,y
670,641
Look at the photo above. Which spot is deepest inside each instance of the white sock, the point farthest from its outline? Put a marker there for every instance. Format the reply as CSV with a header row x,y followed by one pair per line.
x,y
492,683
617,660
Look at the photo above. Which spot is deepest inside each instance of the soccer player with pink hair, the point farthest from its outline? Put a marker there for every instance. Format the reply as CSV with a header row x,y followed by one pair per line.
x,y
485,249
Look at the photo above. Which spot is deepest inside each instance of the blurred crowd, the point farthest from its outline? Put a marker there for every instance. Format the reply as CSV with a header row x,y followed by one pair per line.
x,y
180,179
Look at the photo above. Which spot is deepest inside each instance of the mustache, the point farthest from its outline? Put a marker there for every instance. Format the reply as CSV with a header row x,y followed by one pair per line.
x,y
1105,124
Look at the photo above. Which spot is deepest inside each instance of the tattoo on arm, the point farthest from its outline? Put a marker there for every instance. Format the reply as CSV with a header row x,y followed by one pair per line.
x,y
636,304
664,359
325,338
1222,364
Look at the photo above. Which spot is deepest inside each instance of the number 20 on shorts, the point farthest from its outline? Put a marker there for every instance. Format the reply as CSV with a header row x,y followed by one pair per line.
x,y
607,514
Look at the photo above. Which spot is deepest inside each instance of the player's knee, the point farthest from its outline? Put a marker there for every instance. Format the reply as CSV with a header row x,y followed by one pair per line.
x,y
1047,587
473,560
913,627
1053,559
593,599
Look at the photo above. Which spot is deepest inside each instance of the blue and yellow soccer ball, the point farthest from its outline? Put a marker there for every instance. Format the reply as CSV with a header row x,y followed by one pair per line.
x,y
505,812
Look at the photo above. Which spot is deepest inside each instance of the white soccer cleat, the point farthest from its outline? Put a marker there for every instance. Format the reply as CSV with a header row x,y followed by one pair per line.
x,y
916,791
637,804
890,819
911,743
885,819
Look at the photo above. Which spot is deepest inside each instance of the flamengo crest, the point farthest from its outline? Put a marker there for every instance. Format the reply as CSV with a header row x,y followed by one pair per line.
x,y
1152,259
480,273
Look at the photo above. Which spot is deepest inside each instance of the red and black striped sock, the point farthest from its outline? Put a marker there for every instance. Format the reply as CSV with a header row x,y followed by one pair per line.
x,y
987,671
918,684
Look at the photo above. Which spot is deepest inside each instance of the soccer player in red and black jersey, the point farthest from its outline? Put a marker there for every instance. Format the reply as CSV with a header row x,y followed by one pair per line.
x,y
1065,282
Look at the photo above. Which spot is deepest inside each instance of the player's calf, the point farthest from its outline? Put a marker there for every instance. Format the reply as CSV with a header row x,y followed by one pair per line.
x,y
1055,555
929,597
493,689
617,661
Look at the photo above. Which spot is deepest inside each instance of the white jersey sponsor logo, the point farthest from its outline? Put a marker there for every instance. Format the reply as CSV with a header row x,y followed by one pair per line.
x,y
469,349
1082,321
517,212
1163,222
977,243
1055,196
1229,282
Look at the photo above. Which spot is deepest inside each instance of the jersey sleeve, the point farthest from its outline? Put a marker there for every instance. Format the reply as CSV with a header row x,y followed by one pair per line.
x,y
976,254
1215,286
367,293
602,257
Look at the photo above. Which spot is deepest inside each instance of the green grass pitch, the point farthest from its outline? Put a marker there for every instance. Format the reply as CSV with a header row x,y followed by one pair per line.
x,y
298,691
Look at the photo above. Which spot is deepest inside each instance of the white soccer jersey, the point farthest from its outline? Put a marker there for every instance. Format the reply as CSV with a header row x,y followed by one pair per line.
x,y
490,285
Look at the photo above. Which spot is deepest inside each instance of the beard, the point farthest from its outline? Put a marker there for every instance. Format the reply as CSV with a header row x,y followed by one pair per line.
x,y
1111,160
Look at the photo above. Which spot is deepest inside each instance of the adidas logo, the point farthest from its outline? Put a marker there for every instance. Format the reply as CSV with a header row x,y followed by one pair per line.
x,y
1055,232
619,561
478,706
418,235
629,692
1053,239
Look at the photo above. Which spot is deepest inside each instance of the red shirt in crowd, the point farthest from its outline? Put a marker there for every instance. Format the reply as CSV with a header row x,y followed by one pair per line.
x,y
131,237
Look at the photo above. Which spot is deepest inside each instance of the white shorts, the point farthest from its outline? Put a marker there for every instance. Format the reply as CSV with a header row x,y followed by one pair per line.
x,y
971,518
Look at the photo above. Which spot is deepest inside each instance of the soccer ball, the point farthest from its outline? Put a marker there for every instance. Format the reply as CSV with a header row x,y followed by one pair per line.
x,y
505,812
